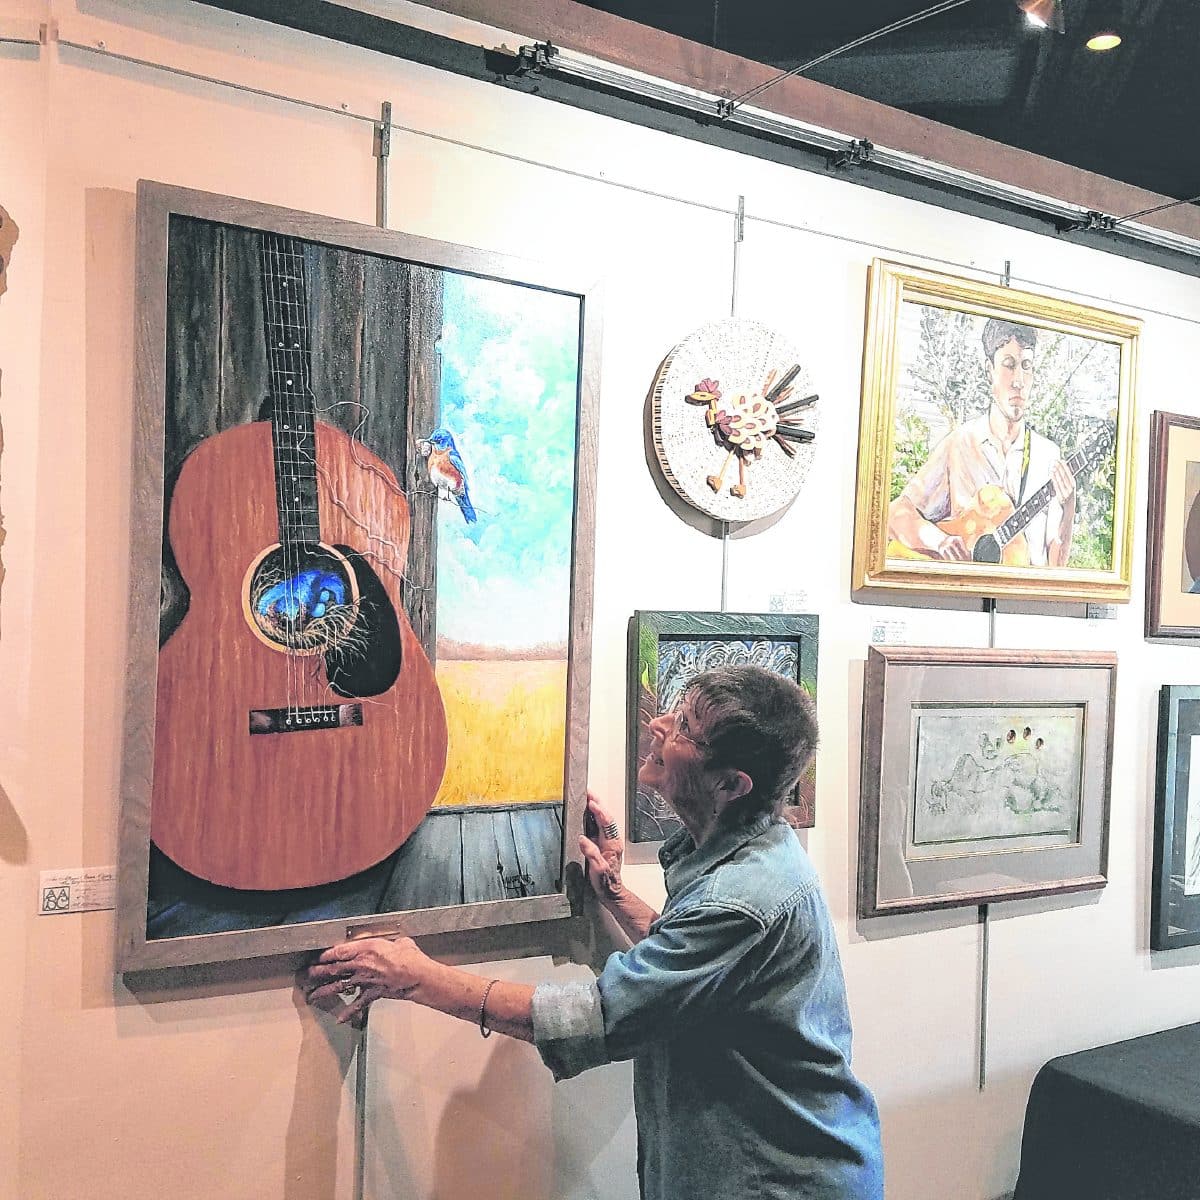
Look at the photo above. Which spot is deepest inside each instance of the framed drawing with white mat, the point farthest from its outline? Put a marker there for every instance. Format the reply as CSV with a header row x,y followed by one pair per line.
x,y
985,776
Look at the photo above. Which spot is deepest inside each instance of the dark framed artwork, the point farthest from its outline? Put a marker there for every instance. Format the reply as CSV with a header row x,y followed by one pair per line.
x,y
669,649
362,557
985,776
1173,528
996,441
1175,903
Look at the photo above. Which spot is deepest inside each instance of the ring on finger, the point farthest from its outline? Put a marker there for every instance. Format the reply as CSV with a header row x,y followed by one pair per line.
x,y
611,831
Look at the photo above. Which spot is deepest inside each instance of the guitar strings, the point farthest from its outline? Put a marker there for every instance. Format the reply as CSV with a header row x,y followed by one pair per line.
x,y
336,632
329,630
289,314
285,421
274,333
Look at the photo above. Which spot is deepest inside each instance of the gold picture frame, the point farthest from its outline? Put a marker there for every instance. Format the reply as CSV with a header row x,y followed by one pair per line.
x,y
958,487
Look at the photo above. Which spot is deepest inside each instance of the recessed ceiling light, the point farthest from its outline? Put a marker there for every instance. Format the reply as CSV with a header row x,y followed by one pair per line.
x,y
1104,41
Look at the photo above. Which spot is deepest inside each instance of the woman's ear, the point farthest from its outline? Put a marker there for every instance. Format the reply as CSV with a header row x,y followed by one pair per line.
x,y
737,784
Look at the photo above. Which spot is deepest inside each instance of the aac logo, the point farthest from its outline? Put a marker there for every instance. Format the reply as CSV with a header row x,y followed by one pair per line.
x,y
56,899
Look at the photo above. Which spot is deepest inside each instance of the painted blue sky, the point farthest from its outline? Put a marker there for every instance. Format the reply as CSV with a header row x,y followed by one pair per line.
x,y
510,363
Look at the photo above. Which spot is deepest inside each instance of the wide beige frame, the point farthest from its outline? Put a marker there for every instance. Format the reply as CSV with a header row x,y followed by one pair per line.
x,y
156,204
1171,613
901,678
893,284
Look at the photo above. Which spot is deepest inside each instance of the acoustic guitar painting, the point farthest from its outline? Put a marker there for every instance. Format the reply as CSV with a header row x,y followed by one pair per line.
x,y
300,734
992,527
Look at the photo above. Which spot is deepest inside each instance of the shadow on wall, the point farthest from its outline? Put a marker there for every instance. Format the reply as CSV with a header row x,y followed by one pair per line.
x,y
14,842
311,1147
8,239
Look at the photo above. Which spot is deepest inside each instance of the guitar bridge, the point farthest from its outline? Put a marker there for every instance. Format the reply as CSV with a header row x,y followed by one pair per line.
x,y
298,719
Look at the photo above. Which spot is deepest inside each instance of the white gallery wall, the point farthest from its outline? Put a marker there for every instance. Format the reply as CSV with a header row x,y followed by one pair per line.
x,y
219,1082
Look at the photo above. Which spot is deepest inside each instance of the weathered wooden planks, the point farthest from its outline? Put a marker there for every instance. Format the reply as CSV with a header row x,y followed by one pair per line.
x,y
428,871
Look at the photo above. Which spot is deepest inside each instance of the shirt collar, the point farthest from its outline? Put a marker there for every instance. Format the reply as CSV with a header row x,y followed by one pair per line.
x,y
990,439
684,862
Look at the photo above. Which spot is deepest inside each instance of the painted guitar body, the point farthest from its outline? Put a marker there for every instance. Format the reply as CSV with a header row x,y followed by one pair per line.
x,y
268,810
990,509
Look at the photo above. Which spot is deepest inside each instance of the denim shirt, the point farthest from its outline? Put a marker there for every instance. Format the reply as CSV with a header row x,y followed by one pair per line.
x,y
734,1010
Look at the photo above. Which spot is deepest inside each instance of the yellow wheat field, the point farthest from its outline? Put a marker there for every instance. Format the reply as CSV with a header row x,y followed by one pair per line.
x,y
507,724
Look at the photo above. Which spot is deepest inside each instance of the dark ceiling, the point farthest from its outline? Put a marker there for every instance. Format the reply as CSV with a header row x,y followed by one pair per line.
x,y
1128,113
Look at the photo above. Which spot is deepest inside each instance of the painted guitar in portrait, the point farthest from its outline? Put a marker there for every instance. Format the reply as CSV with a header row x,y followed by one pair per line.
x,y
300,734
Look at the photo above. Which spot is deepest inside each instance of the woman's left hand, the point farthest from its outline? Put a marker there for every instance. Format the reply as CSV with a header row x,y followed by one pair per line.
x,y
378,967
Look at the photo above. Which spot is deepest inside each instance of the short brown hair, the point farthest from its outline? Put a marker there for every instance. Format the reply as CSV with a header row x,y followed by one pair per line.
x,y
757,722
997,333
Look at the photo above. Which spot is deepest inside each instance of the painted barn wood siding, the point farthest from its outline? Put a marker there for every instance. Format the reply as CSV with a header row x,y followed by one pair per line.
x,y
539,848
428,871
243,383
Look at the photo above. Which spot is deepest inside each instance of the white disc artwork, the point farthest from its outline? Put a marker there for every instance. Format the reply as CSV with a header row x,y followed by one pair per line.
x,y
735,415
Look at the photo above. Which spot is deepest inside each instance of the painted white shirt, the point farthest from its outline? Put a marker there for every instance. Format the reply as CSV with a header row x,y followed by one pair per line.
x,y
969,457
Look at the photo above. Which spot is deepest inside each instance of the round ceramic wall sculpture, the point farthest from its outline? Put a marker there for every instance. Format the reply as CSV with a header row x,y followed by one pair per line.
x,y
734,417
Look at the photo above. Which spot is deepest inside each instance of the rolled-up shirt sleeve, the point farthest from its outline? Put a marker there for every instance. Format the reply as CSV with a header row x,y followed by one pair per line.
x,y
568,1027
677,974
929,489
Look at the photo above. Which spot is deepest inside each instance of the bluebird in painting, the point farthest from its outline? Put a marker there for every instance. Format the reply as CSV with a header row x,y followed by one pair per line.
x,y
448,471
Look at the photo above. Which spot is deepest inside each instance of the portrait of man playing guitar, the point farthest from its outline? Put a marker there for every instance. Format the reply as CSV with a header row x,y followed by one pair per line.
x,y
993,489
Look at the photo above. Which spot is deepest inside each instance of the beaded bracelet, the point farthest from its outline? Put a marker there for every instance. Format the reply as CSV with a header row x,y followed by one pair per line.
x,y
483,1029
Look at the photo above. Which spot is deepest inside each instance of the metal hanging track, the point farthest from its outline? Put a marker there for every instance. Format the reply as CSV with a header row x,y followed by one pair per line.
x,y
589,83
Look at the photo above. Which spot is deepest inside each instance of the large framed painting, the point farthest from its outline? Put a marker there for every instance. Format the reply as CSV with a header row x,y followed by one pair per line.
x,y
985,776
667,650
1175,902
1173,528
361,582
996,447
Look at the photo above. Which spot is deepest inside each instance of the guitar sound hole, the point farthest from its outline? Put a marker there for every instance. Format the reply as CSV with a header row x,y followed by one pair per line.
x,y
304,599
987,549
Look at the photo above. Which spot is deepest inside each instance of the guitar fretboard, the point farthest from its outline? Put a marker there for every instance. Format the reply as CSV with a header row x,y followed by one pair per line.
x,y
285,321
1083,460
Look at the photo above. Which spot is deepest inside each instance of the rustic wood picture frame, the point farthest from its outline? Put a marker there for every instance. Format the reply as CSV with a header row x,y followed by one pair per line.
x,y
749,638
254,928
905,682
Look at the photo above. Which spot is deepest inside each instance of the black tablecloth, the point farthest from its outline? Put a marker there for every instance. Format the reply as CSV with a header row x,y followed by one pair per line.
x,y
1120,1122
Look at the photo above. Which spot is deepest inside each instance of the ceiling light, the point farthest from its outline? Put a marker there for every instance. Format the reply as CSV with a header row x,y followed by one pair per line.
x,y
1108,40
1043,14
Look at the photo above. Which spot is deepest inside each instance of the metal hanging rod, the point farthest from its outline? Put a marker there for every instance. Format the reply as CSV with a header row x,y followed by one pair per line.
x,y
583,82
345,111
847,150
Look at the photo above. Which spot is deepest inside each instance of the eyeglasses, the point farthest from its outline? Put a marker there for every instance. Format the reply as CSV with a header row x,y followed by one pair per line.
x,y
679,729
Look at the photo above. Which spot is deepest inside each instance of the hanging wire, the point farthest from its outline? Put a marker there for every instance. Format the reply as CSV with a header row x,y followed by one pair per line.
x,y
934,10
688,200
1145,212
